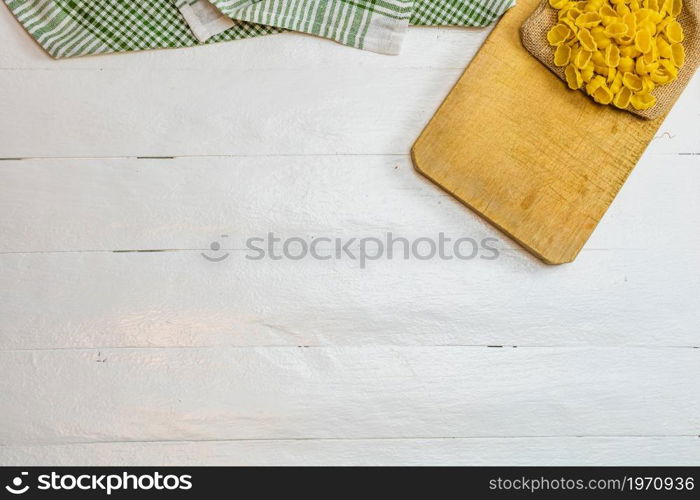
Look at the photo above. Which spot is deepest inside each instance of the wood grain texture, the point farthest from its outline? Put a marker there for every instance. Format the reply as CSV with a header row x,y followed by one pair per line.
x,y
225,393
109,250
526,451
538,161
121,345
277,95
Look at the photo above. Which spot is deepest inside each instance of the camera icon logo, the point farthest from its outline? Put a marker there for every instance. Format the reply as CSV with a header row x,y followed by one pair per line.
x,y
16,487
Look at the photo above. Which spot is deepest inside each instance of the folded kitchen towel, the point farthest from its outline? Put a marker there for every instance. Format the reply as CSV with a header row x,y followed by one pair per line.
x,y
376,25
71,28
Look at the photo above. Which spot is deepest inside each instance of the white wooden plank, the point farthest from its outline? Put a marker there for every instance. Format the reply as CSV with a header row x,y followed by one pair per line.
x,y
58,205
78,396
599,451
179,299
634,284
679,133
141,112
127,204
68,380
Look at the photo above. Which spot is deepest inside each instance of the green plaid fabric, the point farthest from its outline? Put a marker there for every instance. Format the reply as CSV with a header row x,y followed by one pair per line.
x,y
458,13
70,28
365,24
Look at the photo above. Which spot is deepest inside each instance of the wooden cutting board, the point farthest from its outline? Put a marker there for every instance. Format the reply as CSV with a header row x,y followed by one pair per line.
x,y
540,162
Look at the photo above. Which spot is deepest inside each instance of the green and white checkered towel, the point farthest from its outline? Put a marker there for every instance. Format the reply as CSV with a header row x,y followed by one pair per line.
x,y
70,28
376,25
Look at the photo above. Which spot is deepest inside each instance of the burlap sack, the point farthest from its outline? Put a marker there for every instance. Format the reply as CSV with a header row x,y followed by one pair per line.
x,y
533,34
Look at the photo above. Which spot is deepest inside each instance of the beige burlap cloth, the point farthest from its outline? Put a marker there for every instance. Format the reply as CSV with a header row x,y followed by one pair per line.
x,y
534,30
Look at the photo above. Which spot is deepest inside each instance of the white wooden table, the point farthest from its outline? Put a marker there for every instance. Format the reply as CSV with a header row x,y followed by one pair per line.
x,y
121,344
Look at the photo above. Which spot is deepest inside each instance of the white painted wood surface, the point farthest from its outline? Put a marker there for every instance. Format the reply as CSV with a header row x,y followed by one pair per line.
x,y
120,344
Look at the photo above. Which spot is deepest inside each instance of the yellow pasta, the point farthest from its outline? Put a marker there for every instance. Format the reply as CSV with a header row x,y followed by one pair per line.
x,y
622,9
603,95
669,67
626,64
639,67
674,32
601,39
616,29
677,7
558,34
612,75
588,72
586,39
562,55
629,51
616,84
622,98
677,55
597,82
588,20
612,56
573,77
632,82
642,41
618,51
580,57
642,100
630,20
558,4
663,47
598,59
607,15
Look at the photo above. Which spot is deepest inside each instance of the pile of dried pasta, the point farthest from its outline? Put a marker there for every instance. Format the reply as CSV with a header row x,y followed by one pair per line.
x,y
618,51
